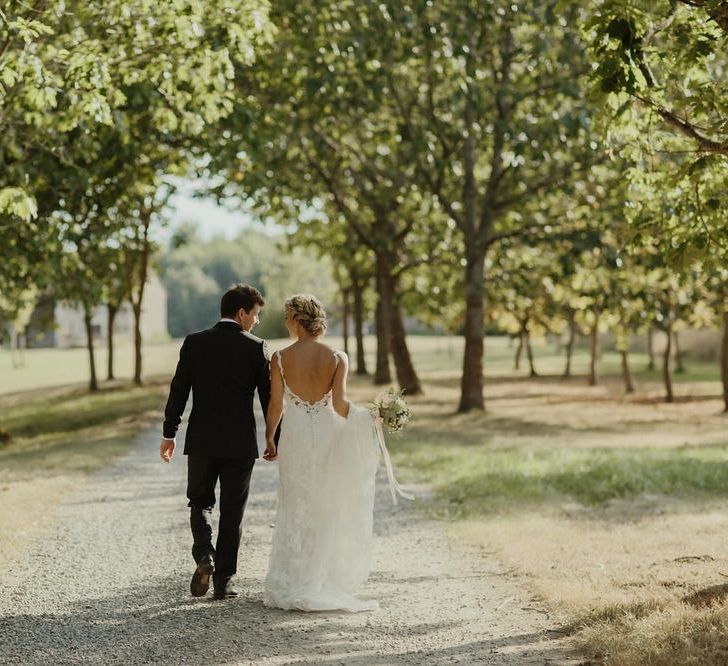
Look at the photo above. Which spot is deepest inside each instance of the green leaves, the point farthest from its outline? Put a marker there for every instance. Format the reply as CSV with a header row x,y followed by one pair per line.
x,y
662,67
8,76
28,29
16,202
621,65
99,99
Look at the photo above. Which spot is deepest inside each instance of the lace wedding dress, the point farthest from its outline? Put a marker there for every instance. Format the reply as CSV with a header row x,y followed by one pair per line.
x,y
322,542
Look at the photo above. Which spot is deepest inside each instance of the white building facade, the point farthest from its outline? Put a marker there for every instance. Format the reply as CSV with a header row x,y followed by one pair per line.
x,y
68,328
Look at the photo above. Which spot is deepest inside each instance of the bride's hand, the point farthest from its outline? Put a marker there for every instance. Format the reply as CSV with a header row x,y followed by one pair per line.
x,y
271,452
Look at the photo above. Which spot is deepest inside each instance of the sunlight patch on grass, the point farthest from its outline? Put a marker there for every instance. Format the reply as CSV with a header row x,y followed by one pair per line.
x,y
472,482
73,410
673,634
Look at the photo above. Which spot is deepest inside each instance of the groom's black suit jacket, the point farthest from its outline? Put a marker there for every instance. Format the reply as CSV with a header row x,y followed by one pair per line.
x,y
222,366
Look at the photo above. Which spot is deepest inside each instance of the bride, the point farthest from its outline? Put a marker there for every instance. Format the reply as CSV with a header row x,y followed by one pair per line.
x,y
327,458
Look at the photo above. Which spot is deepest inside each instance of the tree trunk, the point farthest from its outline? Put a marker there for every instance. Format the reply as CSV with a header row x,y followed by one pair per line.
x,y
666,369
626,372
14,347
724,358
345,319
406,375
93,384
570,344
471,385
137,297
137,345
519,352
529,353
357,289
679,367
594,351
112,310
382,373
650,349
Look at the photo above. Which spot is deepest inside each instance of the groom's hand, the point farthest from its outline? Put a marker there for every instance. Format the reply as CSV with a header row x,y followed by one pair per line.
x,y
166,449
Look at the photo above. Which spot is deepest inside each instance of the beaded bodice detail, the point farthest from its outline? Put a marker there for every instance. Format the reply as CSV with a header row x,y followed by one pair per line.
x,y
311,408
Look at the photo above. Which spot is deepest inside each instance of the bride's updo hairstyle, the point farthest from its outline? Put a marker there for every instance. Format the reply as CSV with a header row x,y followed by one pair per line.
x,y
308,311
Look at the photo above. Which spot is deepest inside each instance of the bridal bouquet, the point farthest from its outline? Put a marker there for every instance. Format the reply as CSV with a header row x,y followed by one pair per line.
x,y
392,409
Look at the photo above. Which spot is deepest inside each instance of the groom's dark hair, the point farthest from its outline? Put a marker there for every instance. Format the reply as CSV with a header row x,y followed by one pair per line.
x,y
240,296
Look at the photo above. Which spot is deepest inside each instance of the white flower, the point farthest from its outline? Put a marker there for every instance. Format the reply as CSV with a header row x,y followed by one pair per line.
x,y
392,409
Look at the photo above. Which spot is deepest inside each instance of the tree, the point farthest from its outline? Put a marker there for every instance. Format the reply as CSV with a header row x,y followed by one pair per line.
x,y
592,282
64,64
79,284
78,77
328,235
660,68
490,103
116,291
139,251
520,293
674,214
628,291
321,135
16,313
443,116
670,60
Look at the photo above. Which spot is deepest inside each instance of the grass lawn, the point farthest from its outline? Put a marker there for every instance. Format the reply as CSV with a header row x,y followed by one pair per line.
x,y
43,368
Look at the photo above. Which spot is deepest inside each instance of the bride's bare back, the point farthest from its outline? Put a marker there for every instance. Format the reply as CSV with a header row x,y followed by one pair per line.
x,y
311,370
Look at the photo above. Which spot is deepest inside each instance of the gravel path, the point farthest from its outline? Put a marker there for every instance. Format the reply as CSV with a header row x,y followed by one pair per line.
x,y
109,584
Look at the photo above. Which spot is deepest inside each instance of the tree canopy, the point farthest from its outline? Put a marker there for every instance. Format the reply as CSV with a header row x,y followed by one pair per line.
x,y
533,167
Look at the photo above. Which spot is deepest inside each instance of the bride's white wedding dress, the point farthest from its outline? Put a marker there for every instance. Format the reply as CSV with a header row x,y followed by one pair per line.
x,y
322,542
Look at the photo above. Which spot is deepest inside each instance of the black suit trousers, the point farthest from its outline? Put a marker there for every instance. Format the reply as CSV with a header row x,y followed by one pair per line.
x,y
234,474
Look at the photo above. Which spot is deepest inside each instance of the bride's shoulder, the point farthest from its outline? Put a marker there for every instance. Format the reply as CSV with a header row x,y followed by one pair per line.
x,y
340,356
333,354
276,355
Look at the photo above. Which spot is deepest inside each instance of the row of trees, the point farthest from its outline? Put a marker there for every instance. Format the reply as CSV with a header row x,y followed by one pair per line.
x,y
99,103
467,161
438,150
598,289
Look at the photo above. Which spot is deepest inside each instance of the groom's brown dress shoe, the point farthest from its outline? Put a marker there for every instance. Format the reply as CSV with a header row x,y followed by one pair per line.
x,y
201,578
225,591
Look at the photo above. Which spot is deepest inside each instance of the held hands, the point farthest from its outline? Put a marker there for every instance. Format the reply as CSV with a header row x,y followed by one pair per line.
x,y
166,450
271,452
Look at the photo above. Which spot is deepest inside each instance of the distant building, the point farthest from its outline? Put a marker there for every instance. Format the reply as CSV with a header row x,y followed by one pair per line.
x,y
60,324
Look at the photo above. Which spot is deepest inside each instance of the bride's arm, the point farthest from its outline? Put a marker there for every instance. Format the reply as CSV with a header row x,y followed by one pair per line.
x,y
338,387
275,408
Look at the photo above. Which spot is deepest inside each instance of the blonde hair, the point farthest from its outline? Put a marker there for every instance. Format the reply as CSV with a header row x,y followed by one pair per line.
x,y
308,311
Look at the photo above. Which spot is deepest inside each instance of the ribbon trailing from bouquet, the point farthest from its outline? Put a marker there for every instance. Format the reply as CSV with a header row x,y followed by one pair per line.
x,y
394,487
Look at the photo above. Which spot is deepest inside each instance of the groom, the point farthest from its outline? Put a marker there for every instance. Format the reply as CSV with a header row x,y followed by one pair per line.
x,y
223,366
